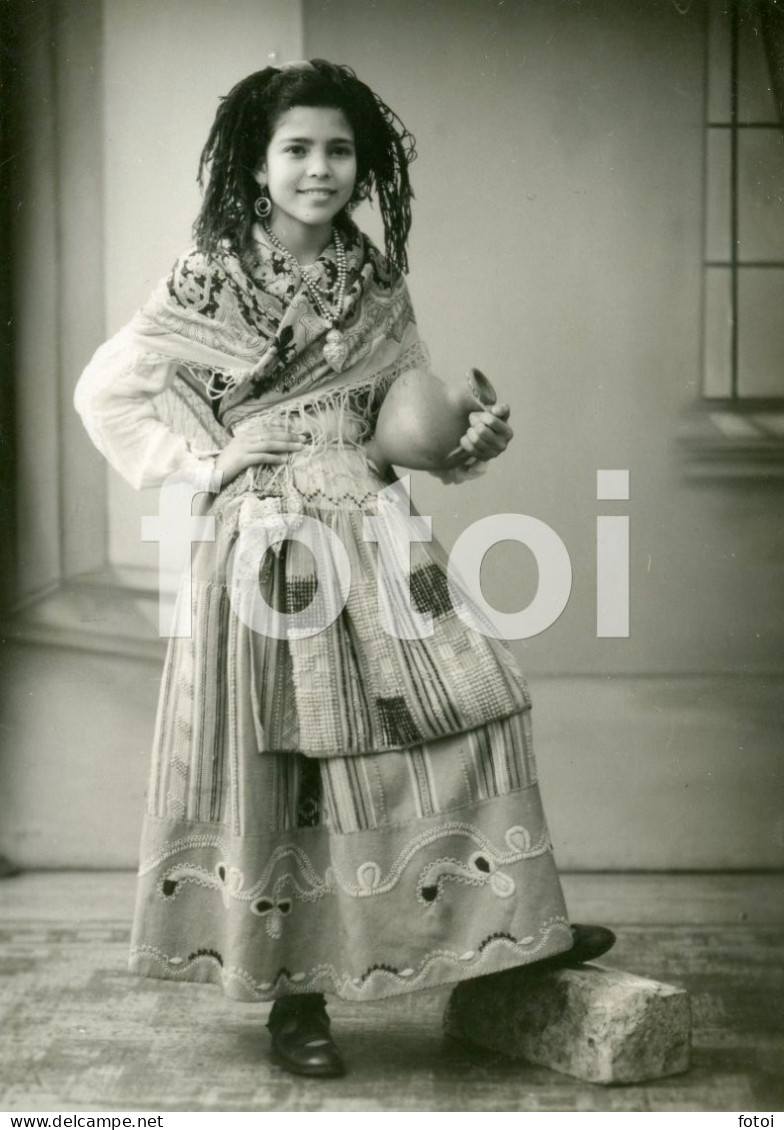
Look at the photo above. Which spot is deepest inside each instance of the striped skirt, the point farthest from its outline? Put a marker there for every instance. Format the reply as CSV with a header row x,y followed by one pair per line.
x,y
339,810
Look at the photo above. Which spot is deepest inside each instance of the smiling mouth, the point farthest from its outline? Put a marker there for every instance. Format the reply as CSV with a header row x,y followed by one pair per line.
x,y
317,191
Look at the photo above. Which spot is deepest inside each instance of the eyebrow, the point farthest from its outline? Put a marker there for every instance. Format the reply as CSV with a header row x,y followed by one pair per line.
x,y
344,139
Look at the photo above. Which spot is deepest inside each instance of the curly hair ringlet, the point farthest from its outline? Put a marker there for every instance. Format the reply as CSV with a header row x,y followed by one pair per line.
x,y
245,123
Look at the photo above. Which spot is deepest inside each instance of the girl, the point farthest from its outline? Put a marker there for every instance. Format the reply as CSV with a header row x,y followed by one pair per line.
x,y
350,807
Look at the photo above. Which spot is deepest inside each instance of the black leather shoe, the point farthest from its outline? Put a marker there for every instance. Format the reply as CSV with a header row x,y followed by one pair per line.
x,y
302,1043
590,942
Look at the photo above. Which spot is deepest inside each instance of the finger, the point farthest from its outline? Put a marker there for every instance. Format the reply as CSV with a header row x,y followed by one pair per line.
x,y
264,444
457,457
493,413
462,453
471,445
255,435
274,445
499,437
487,437
487,424
484,447
267,458
277,432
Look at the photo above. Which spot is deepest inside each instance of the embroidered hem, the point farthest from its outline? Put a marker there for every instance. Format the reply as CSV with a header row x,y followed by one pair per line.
x,y
364,915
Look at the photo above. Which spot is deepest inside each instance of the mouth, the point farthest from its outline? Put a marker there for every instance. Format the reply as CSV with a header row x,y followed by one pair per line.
x,y
317,193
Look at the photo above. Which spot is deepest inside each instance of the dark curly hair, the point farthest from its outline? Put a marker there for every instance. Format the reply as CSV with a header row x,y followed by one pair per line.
x,y
244,124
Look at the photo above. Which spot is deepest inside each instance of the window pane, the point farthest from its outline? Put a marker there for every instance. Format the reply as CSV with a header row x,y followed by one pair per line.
x,y
761,331
755,99
718,63
718,172
761,194
718,332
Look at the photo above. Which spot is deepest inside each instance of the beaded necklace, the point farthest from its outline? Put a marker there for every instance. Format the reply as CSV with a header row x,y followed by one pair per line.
x,y
328,303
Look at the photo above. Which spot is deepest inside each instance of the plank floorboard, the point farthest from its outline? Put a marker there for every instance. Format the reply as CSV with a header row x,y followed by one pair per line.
x,y
80,1034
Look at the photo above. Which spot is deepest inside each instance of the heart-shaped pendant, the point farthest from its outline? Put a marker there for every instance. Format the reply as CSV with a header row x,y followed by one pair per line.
x,y
335,350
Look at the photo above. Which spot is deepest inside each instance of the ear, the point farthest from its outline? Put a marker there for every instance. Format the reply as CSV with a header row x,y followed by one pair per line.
x,y
260,176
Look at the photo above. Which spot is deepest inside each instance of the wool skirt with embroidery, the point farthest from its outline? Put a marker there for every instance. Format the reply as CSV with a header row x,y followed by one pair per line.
x,y
339,809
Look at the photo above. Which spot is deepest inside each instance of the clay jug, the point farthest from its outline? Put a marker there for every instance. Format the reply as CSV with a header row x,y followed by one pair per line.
x,y
421,420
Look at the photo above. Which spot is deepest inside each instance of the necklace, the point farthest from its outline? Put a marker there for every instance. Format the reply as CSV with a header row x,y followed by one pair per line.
x,y
328,303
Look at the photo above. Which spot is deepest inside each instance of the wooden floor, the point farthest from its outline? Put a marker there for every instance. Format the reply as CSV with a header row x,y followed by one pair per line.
x,y
80,1034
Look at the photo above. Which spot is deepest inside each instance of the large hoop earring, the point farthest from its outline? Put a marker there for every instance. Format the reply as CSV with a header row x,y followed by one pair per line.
x,y
262,206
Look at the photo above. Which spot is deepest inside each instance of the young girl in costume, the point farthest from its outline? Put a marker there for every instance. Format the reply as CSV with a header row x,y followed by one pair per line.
x,y
351,810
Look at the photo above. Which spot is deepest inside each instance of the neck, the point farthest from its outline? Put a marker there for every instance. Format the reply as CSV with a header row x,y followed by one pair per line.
x,y
304,241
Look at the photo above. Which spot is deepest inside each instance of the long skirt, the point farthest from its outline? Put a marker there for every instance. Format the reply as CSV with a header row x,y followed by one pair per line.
x,y
338,809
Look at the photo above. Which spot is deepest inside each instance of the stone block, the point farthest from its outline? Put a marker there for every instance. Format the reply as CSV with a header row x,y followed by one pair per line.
x,y
595,1023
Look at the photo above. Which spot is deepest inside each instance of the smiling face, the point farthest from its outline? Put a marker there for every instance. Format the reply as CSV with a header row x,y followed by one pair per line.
x,y
309,171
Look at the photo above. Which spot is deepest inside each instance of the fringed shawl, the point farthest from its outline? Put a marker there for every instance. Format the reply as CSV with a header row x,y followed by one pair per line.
x,y
248,338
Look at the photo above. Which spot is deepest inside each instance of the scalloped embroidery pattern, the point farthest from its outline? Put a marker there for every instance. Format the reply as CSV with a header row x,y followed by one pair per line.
x,y
174,847
377,981
482,868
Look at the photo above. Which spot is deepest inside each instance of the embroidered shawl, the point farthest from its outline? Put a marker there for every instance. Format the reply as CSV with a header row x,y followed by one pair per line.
x,y
248,337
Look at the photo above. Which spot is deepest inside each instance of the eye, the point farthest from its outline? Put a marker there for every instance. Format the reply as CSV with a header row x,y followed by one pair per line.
x,y
296,150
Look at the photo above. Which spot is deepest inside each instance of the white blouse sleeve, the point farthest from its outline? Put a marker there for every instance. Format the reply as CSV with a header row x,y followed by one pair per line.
x,y
115,398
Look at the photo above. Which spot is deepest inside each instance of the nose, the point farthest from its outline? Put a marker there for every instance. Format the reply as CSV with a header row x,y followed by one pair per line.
x,y
318,165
